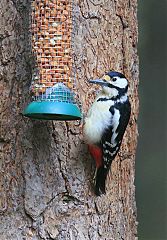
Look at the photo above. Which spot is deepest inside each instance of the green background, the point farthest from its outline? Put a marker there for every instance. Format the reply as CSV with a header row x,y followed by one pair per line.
x,y
151,168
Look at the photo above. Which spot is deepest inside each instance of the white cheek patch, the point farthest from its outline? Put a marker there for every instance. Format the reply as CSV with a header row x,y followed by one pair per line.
x,y
120,82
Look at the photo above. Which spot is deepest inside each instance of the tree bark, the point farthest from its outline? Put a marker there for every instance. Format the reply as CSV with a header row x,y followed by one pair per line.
x,y
45,169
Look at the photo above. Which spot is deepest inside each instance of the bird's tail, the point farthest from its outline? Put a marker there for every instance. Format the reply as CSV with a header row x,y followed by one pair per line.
x,y
100,180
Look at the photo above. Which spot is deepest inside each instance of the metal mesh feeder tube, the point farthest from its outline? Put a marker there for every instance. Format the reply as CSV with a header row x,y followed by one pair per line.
x,y
53,81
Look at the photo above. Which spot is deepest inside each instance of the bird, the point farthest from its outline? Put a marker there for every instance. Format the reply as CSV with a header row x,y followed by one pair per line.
x,y
105,124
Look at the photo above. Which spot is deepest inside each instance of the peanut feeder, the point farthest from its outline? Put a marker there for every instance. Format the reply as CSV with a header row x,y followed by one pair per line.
x,y
52,81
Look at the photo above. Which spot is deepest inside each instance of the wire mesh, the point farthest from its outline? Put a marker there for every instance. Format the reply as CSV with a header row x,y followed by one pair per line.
x,y
51,29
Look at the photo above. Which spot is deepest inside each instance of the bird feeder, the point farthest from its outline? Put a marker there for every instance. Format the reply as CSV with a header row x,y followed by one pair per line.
x,y
53,81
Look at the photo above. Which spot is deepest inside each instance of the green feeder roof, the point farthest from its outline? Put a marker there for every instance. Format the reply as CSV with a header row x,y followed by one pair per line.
x,y
57,103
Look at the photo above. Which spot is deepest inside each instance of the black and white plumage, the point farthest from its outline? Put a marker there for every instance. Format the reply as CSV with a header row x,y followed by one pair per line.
x,y
106,123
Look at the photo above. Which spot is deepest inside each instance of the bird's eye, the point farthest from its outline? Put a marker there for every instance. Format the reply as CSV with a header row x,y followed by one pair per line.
x,y
114,79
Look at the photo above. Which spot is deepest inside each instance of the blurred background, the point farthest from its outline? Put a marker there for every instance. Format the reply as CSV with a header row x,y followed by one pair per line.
x,y
151,162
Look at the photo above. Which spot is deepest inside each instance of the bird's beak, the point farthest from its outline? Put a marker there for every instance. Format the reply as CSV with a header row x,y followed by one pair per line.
x,y
98,81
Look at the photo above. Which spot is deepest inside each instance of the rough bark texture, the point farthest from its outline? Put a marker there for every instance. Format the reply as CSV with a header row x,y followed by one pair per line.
x,y
45,170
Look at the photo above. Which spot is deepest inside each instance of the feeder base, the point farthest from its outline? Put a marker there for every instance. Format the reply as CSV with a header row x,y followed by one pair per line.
x,y
47,110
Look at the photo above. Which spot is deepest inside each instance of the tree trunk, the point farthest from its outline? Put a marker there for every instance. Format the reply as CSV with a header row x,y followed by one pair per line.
x,y
45,169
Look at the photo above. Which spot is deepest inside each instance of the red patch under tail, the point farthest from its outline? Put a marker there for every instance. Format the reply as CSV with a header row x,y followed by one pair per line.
x,y
101,172
97,155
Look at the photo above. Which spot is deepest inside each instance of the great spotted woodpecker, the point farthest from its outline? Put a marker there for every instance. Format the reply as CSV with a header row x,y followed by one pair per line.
x,y
106,123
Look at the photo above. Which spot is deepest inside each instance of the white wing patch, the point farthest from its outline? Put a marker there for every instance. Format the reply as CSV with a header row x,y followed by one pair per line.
x,y
123,99
115,123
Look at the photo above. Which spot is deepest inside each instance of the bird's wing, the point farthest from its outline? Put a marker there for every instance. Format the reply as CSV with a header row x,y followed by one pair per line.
x,y
112,137
110,148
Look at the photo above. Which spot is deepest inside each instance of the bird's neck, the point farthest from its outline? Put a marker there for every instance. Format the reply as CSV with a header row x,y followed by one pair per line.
x,y
113,94
108,92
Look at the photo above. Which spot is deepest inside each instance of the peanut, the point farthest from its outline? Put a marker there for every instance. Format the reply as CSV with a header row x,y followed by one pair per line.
x,y
51,42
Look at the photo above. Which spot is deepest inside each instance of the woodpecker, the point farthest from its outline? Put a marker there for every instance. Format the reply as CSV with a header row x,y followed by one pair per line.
x,y
106,123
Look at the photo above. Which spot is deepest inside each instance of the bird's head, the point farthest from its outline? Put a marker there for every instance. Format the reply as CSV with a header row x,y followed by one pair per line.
x,y
112,83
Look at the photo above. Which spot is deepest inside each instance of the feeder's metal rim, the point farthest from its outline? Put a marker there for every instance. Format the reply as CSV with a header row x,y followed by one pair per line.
x,y
50,110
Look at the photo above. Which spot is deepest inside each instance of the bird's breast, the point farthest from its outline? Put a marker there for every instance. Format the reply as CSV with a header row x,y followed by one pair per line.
x,y
98,119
